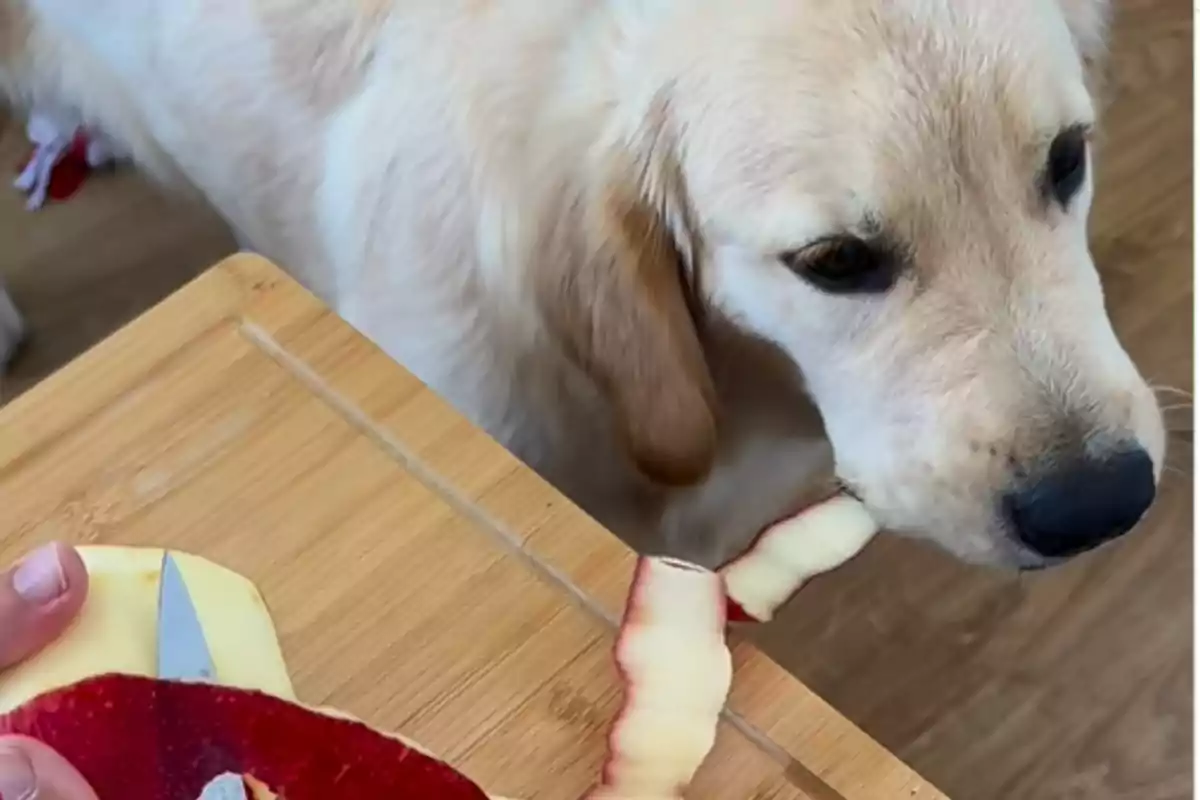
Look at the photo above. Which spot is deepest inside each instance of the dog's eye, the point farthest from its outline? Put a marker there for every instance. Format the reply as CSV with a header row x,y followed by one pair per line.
x,y
1066,165
844,265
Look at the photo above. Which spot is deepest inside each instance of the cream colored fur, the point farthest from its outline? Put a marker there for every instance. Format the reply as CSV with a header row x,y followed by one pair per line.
x,y
566,218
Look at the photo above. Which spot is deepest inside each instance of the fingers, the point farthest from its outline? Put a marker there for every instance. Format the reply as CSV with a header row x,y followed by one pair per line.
x,y
39,597
31,771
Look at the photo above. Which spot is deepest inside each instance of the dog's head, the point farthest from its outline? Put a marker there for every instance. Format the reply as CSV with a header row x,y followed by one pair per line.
x,y
896,194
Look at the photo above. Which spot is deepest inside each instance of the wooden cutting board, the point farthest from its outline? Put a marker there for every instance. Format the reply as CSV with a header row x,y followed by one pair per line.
x,y
420,576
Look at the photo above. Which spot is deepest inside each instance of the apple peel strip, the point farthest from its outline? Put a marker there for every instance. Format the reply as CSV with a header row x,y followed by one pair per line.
x,y
787,555
668,720
657,745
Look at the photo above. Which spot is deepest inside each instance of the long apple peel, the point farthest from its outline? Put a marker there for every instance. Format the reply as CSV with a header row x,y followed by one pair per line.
x,y
676,670
787,555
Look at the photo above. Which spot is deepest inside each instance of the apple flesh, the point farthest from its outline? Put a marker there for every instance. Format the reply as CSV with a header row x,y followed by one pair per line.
x,y
116,631
788,554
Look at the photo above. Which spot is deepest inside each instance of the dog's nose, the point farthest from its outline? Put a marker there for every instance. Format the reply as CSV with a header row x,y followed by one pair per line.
x,y
1079,507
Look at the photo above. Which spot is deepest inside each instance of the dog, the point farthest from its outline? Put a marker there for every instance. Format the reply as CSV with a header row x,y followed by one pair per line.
x,y
695,262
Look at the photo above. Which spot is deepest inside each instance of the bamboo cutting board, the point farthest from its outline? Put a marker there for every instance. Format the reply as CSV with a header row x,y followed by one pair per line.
x,y
420,577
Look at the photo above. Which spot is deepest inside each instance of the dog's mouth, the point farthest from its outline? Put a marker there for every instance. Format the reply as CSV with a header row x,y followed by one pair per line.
x,y
842,487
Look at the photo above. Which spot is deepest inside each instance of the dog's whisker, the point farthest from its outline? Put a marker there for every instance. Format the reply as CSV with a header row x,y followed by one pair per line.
x,y
1181,463
1172,391
1176,472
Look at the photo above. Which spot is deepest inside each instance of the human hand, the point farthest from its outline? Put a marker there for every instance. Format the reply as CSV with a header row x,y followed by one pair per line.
x,y
39,597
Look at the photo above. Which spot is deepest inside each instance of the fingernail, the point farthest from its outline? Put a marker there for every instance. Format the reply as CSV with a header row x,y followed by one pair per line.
x,y
17,781
39,579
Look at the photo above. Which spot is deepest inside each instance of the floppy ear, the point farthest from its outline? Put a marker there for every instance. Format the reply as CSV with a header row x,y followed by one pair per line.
x,y
1090,22
622,310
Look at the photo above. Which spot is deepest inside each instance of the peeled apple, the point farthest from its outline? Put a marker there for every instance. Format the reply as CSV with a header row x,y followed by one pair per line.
x,y
116,630
91,696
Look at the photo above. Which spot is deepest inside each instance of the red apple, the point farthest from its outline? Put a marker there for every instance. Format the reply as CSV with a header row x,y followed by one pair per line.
x,y
138,738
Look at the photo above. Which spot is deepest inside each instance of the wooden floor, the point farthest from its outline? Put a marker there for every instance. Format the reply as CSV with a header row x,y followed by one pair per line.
x,y
1068,685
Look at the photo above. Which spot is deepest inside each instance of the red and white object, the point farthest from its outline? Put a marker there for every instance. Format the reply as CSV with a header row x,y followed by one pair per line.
x,y
785,556
63,155
676,669
91,696
138,738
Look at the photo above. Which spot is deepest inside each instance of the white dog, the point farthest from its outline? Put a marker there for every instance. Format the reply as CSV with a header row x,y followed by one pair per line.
x,y
651,245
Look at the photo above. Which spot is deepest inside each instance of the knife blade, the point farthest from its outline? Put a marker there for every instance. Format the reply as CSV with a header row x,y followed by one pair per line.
x,y
225,787
183,653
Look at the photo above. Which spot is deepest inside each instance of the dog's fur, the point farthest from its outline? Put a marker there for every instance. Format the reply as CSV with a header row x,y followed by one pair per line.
x,y
567,218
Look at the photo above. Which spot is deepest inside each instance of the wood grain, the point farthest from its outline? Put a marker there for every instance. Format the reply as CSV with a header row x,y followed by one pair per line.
x,y
421,578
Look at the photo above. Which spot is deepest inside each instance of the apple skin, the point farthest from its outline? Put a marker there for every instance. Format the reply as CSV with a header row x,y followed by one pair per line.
x,y
139,738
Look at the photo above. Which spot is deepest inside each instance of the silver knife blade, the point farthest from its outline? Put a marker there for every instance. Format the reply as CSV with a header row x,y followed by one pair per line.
x,y
182,650
225,787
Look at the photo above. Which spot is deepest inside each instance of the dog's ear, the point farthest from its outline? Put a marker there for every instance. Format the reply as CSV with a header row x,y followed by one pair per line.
x,y
1090,22
625,313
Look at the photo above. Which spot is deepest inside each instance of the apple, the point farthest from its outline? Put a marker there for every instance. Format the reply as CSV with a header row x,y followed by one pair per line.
x,y
138,738
92,697
116,631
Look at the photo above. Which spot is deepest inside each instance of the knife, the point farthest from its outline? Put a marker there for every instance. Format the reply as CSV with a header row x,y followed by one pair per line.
x,y
183,655
182,649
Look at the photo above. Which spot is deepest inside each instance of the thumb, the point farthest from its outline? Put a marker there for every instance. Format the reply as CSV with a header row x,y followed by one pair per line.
x,y
31,771
39,598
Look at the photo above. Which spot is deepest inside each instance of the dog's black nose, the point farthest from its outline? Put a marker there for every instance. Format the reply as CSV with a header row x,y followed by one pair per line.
x,y
1083,505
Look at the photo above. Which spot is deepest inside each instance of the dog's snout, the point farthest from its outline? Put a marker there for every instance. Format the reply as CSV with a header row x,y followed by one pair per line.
x,y
1084,504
